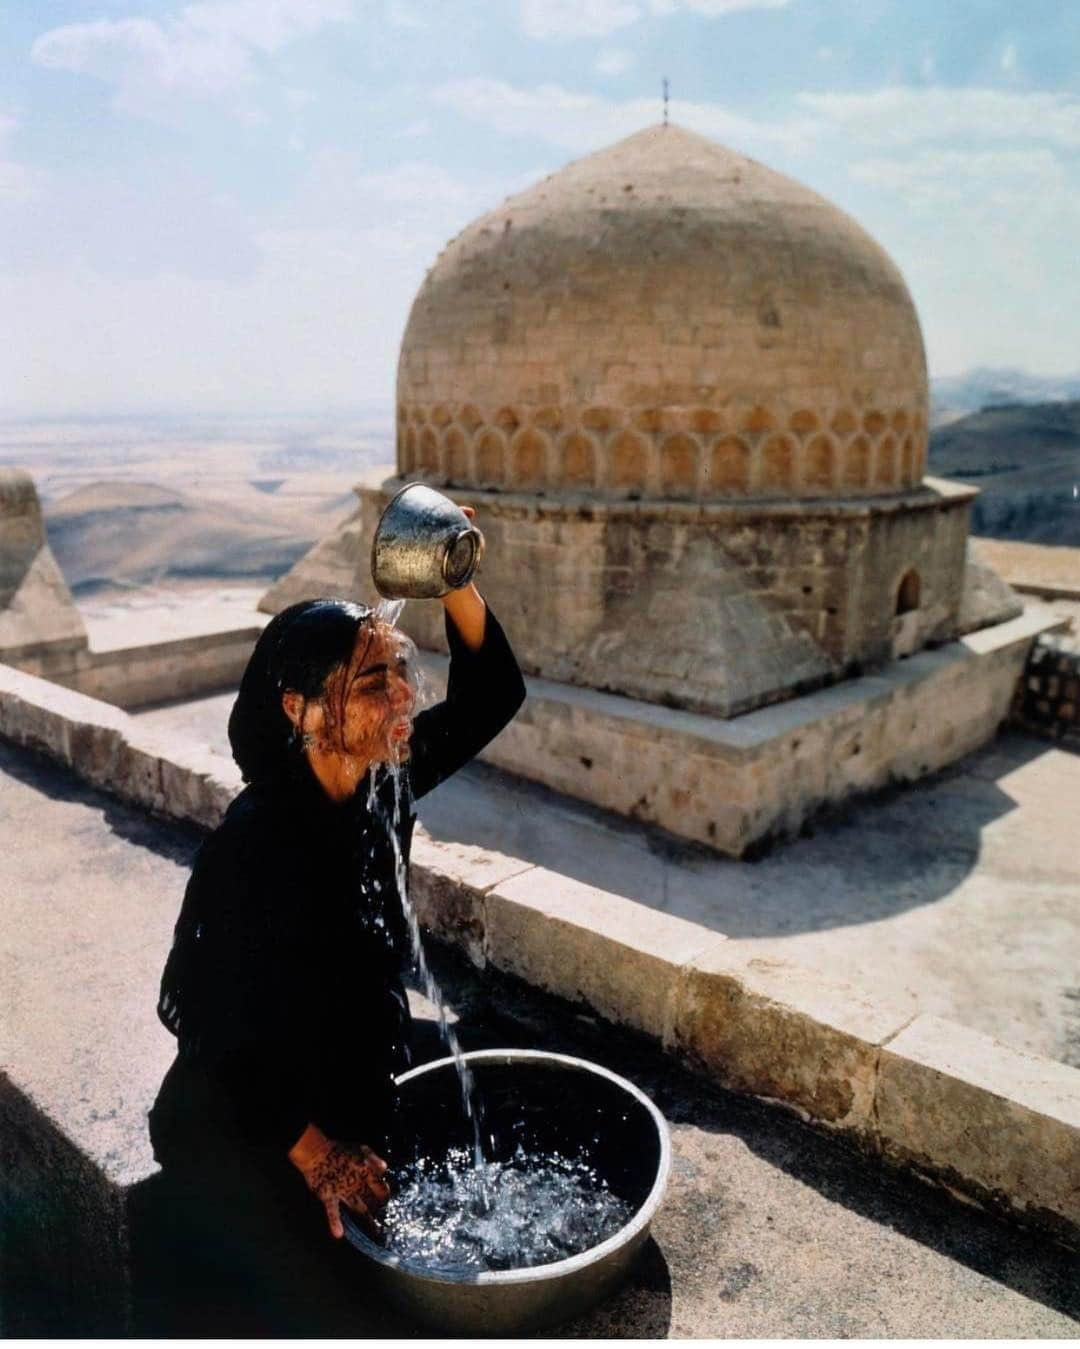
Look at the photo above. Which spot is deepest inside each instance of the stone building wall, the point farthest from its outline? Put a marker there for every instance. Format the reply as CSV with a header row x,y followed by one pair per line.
x,y
709,608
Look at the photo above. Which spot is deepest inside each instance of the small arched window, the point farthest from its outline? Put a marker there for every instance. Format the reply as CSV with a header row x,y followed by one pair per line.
x,y
907,594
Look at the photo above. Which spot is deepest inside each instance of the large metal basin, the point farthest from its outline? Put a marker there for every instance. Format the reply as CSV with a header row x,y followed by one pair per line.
x,y
542,1100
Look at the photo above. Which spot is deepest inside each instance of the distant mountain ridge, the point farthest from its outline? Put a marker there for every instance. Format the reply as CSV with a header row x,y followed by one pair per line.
x,y
1025,460
140,532
987,386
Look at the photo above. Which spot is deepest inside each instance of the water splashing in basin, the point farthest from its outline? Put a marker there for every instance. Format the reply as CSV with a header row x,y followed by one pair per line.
x,y
534,1209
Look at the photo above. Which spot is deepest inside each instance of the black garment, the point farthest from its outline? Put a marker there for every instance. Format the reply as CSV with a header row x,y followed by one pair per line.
x,y
283,985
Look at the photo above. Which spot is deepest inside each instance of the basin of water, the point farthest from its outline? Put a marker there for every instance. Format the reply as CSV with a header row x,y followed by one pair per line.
x,y
575,1163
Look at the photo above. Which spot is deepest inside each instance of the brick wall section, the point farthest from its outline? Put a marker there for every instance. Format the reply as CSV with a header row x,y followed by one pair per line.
x,y
1048,694
665,319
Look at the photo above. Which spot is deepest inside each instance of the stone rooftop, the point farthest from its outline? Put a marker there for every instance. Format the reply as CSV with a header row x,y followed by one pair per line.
x,y
915,951
769,1229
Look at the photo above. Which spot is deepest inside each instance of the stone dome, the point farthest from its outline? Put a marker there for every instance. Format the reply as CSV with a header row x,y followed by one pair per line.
x,y
665,319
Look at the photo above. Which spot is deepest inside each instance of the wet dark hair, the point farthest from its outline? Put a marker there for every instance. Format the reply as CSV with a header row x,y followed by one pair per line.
x,y
298,651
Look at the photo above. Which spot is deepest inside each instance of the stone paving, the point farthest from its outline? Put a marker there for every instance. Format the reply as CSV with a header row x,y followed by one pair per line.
x,y
769,1229
960,894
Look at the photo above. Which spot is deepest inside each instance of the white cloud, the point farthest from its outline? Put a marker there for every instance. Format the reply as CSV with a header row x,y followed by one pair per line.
x,y
415,183
204,50
599,18
1008,58
402,14
576,18
936,176
583,122
713,9
905,115
613,61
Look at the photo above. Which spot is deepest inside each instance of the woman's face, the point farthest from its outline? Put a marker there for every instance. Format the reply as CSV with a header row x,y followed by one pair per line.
x,y
365,711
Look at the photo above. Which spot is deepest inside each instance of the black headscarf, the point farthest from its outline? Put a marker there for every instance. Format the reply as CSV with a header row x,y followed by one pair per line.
x,y
297,651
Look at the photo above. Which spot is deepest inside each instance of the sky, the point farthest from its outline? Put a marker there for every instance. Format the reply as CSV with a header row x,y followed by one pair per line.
x,y
228,206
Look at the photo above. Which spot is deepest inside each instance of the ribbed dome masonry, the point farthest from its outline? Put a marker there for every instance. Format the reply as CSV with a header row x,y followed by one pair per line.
x,y
665,319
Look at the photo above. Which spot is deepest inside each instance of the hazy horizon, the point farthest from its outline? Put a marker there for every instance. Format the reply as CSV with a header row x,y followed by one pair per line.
x,y
380,413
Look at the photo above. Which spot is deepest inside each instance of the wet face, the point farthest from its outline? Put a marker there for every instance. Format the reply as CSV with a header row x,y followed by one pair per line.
x,y
380,696
364,714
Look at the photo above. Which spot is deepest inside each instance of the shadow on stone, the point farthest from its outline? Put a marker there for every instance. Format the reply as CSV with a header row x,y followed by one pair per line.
x,y
861,862
641,1310
228,1251
172,839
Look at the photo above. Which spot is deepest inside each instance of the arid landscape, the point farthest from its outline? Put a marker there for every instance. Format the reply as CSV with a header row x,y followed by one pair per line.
x,y
144,501
141,501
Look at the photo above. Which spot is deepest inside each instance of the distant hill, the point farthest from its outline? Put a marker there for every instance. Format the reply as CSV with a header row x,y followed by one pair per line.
x,y
955,395
1025,459
140,532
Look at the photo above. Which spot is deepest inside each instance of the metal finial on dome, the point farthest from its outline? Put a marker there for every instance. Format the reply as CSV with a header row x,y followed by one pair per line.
x,y
665,85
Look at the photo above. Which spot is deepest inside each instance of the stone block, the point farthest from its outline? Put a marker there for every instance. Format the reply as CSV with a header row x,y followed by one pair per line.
x,y
67,726
447,884
1002,1124
620,958
768,1026
197,784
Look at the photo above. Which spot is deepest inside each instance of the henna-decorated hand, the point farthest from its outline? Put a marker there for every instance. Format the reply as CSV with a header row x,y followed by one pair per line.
x,y
339,1175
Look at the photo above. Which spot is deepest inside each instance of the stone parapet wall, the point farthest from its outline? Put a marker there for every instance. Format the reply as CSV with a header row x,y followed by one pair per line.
x,y
138,676
185,667
164,774
1047,699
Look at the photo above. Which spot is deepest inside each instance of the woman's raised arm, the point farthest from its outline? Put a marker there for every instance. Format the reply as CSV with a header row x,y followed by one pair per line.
x,y
484,690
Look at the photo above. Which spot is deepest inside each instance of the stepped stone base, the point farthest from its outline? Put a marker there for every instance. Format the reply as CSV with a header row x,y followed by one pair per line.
x,y
735,785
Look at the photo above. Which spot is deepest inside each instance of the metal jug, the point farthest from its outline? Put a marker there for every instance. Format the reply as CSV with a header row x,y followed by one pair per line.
x,y
424,546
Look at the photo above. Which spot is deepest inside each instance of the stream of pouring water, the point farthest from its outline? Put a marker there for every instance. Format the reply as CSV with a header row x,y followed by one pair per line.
x,y
389,611
466,1213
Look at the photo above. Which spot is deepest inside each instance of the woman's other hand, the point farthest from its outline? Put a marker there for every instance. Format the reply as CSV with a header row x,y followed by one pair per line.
x,y
338,1175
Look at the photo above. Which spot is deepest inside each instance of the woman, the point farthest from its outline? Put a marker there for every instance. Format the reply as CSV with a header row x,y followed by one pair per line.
x,y
283,985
